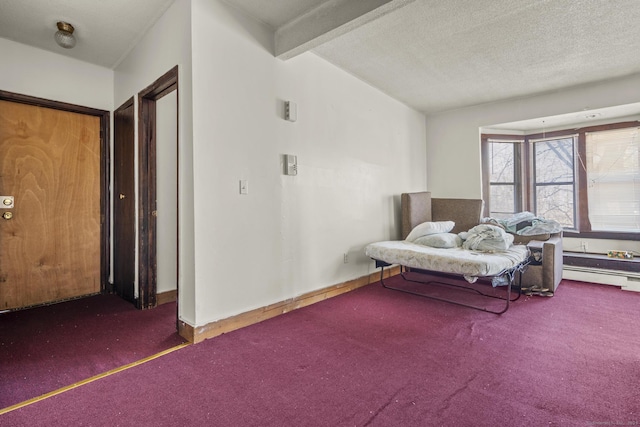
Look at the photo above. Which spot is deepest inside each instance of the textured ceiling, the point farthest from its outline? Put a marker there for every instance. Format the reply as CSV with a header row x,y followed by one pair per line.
x,y
439,55
106,30
433,55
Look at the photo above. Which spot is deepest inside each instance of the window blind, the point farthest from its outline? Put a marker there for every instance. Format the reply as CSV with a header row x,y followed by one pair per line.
x,y
613,179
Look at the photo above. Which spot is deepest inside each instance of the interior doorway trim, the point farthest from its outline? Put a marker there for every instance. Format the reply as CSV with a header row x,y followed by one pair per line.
x,y
105,221
147,244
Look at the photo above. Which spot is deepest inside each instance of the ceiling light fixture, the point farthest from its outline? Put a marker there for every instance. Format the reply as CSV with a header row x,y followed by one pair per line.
x,y
64,36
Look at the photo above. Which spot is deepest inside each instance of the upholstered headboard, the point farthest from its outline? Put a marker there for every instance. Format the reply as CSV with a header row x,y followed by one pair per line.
x,y
421,207
416,209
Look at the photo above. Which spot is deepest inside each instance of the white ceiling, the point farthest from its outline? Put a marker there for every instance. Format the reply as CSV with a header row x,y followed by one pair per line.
x,y
433,55
276,13
106,30
439,55
436,55
590,117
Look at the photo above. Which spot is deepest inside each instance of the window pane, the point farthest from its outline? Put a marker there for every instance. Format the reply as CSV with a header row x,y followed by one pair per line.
x,y
554,180
501,161
502,201
503,179
554,160
556,202
616,207
613,176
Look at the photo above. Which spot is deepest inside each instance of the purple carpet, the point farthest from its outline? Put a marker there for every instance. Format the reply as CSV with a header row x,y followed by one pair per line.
x,y
46,348
376,357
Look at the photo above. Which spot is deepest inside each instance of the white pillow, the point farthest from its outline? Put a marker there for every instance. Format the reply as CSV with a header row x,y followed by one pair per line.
x,y
427,228
440,240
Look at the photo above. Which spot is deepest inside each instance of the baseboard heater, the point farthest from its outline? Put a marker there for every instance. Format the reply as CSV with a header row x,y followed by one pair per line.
x,y
627,280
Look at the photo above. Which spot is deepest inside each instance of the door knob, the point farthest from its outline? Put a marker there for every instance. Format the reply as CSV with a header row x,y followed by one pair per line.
x,y
7,215
122,196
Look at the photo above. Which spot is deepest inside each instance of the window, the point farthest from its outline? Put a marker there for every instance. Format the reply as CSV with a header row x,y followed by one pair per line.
x,y
613,179
554,180
504,178
586,179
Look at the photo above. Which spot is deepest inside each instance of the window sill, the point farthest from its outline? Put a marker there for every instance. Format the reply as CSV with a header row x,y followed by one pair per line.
x,y
611,235
578,259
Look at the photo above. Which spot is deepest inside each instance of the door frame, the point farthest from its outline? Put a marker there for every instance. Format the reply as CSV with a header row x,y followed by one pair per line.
x,y
147,242
104,116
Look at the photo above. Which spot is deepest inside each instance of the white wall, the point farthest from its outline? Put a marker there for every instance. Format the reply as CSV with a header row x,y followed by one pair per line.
x,y
453,137
357,151
35,72
167,44
167,192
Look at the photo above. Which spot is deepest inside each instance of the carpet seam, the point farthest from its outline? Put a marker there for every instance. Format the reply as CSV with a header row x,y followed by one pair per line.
x,y
91,379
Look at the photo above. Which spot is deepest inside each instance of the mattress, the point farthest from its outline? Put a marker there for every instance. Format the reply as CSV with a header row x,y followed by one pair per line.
x,y
453,261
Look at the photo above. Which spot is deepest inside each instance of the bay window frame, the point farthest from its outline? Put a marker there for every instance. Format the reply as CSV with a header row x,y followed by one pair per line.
x,y
519,177
583,225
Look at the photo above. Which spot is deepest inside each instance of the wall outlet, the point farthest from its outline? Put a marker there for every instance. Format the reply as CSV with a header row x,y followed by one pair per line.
x,y
346,258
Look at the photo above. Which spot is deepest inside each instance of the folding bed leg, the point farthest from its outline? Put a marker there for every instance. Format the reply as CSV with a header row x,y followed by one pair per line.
x,y
510,274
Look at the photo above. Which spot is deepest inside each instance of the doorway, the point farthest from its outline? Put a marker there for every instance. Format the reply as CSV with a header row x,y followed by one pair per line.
x,y
167,197
156,265
54,212
149,209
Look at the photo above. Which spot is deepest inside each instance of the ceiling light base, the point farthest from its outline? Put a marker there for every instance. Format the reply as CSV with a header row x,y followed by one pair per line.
x,y
64,36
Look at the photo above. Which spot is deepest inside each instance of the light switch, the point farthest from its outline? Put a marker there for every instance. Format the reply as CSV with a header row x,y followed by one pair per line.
x,y
244,186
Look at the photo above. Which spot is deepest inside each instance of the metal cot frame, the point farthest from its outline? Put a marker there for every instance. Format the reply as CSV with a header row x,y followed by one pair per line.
x,y
510,273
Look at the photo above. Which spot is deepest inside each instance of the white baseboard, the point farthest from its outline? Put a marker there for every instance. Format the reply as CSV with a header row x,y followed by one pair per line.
x,y
625,280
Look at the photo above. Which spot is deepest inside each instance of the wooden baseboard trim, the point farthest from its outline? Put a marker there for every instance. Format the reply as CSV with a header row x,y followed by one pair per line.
x,y
168,296
213,329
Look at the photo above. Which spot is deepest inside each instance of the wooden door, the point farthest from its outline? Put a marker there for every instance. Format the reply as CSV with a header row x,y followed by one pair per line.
x,y
50,164
124,203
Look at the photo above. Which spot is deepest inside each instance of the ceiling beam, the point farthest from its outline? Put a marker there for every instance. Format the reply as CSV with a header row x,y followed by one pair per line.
x,y
331,19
